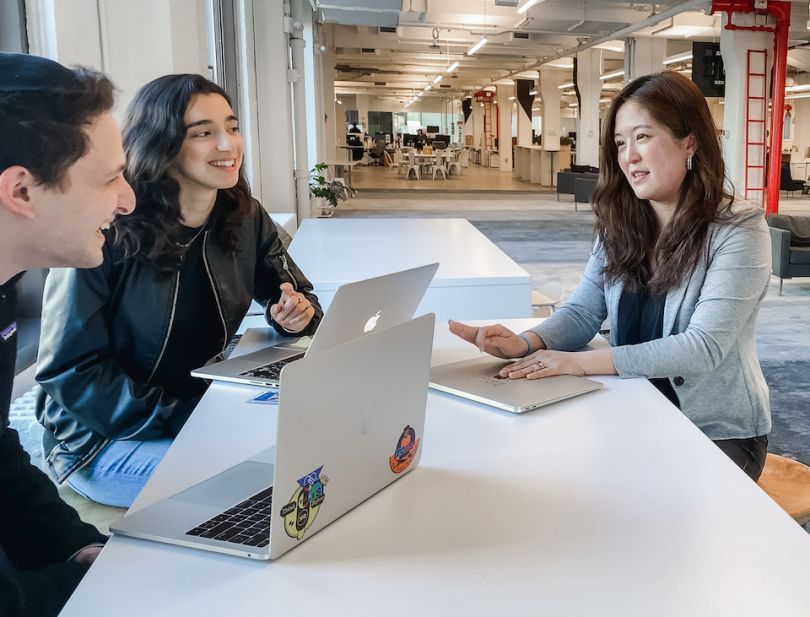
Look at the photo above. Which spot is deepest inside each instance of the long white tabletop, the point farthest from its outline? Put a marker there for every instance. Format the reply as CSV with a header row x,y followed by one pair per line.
x,y
610,504
475,278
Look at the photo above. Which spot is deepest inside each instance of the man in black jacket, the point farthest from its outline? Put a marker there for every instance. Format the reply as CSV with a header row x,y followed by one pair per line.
x,y
61,183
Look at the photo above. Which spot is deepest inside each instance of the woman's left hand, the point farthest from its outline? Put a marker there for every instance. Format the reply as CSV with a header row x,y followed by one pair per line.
x,y
293,311
544,363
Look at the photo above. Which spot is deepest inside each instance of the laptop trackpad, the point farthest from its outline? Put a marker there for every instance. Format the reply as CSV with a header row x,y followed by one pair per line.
x,y
231,486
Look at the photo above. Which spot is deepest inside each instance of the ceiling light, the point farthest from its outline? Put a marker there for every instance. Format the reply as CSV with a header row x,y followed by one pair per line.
x,y
677,58
573,104
511,98
605,100
612,74
428,87
686,25
532,92
801,88
452,67
437,79
797,96
477,46
527,5
523,22
565,86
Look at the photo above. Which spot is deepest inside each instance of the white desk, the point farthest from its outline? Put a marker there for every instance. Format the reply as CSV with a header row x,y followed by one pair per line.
x,y
610,504
475,278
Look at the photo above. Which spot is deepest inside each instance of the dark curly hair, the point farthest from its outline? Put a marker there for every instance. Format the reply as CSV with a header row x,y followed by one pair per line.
x,y
625,224
153,136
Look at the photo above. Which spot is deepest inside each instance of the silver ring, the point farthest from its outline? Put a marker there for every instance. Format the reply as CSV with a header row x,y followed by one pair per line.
x,y
539,365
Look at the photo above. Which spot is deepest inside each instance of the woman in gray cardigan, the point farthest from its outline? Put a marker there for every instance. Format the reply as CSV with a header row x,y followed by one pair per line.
x,y
677,268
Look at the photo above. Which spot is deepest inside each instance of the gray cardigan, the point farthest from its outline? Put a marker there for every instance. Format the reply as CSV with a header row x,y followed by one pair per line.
x,y
708,349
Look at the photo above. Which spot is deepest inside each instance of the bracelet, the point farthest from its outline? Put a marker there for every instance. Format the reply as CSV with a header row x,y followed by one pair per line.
x,y
528,343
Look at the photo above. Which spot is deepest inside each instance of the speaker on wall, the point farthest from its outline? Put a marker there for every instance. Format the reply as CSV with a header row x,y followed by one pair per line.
x,y
708,71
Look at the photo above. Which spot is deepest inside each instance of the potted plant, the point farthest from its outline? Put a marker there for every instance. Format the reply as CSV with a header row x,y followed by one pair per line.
x,y
328,191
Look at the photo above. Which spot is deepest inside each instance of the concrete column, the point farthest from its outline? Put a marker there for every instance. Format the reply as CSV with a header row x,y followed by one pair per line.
x,y
524,110
505,126
549,82
734,45
589,87
643,55
478,124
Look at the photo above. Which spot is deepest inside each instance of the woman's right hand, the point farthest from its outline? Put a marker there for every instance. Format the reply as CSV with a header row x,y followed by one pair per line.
x,y
495,340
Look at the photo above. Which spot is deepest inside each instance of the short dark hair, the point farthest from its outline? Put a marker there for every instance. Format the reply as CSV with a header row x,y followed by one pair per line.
x,y
44,109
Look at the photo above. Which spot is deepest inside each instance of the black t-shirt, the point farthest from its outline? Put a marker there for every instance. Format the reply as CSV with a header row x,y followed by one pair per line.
x,y
197,332
8,345
641,319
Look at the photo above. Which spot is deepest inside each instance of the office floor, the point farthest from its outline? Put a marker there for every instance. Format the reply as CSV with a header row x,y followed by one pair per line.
x,y
474,178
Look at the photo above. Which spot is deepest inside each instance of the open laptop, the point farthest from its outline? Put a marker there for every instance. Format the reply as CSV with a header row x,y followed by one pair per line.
x,y
357,308
338,444
479,380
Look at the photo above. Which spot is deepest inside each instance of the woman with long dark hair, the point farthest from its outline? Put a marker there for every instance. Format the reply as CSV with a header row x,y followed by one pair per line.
x,y
119,341
678,268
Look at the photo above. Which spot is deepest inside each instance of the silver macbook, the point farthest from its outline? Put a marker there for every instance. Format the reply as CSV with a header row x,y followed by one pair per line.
x,y
357,308
338,444
478,380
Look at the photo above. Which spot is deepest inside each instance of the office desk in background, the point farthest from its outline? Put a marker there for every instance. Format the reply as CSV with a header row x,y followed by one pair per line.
x,y
609,504
475,278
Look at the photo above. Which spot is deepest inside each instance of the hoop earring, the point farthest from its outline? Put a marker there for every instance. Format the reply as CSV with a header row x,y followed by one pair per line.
x,y
689,163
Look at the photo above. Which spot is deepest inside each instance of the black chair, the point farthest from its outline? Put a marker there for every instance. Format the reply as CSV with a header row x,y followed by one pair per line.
x,y
786,181
378,152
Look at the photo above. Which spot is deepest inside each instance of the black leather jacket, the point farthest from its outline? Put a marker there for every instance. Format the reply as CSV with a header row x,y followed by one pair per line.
x,y
104,331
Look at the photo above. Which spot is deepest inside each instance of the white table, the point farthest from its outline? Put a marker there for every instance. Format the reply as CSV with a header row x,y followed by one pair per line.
x,y
610,504
475,278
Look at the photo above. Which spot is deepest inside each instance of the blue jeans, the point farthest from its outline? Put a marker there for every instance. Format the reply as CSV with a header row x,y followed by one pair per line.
x,y
119,472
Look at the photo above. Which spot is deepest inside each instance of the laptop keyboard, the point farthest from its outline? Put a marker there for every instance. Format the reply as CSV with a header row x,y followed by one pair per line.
x,y
272,371
245,523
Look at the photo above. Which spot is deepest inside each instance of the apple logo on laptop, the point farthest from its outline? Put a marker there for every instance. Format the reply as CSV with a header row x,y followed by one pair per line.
x,y
371,323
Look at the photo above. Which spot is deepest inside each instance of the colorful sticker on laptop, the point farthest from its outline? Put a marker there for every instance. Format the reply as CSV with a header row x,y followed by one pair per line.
x,y
407,446
300,512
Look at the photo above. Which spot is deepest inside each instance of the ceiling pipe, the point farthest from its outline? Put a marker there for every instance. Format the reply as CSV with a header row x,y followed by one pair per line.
x,y
652,20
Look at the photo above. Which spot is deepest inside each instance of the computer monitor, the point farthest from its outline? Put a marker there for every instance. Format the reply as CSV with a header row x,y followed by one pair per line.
x,y
438,144
432,129
409,140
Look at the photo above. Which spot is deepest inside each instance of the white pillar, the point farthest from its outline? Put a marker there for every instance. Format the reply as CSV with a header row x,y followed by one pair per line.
x,y
327,141
642,57
478,124
734,45
524,110
362,112
549,82
590,88
505,126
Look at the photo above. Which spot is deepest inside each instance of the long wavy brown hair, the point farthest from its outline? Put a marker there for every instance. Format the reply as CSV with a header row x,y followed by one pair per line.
x,y
153,136
626,225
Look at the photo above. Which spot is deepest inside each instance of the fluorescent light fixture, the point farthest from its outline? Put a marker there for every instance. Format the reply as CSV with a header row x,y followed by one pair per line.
x,y
477,46
800,88
428,87
511,98
437,79
523,22
527,5
611,75
452,67
605,100
532,92
573,104
495,101
684,57
565,86
338,101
